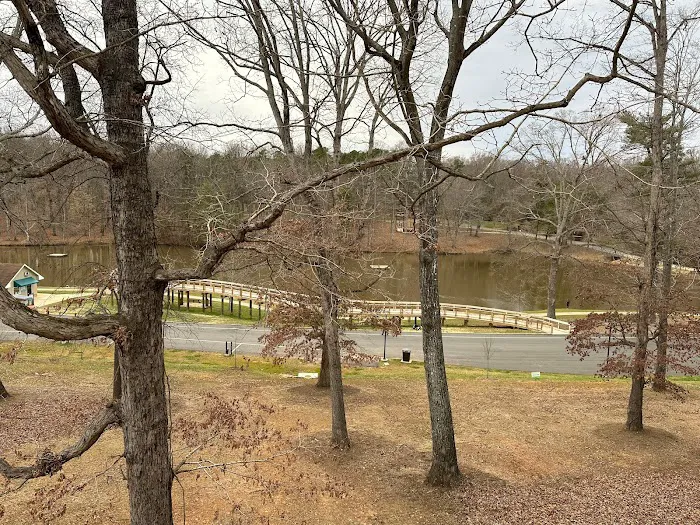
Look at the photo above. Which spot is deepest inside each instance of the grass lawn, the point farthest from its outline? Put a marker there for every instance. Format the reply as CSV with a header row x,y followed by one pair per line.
x,y
533,451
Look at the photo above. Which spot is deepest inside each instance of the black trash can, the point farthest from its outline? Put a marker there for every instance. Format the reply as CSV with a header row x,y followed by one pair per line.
x,y
406,355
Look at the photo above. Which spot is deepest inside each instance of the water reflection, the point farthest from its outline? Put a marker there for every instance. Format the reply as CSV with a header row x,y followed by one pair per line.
x,y
511,281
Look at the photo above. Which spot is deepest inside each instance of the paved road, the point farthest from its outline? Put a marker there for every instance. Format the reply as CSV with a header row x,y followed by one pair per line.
x,y
527,352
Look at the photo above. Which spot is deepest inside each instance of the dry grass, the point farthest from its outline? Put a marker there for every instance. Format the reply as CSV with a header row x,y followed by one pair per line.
x,y
549,451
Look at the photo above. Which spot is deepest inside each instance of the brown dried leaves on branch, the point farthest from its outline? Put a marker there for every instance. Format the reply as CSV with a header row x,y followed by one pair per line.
x,y
239,437
297,330
613,335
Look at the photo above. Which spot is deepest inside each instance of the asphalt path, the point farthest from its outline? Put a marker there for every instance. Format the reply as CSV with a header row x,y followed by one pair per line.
x,y
526,352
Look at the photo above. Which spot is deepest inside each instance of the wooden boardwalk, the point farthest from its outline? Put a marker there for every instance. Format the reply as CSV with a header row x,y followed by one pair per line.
x,y
263,298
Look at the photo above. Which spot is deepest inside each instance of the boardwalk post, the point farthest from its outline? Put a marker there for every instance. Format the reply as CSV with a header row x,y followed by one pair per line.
x,y
264,297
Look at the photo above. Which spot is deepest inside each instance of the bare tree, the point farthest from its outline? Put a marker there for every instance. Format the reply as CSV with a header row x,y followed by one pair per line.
x,y
140,406
684,85
116,134
397,36
648,72
565,159
301,57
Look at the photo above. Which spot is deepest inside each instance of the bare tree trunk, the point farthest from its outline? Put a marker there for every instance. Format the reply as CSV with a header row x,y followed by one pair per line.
x,y
552,281
659,379
370,138
444,469
4,394
140,345
646,287
329,298
324,376
644,311
116,374
635,404
140,352
659,383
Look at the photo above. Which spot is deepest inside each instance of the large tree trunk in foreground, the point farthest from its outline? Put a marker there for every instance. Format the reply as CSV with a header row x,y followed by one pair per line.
x,y
140,345
444,469
329,299
324,375
4,394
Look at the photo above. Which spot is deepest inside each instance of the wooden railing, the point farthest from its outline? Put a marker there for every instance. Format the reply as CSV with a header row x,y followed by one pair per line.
x,y
267,297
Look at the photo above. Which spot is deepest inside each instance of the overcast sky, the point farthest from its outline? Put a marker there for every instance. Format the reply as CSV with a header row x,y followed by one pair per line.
x,y
483,80
205,85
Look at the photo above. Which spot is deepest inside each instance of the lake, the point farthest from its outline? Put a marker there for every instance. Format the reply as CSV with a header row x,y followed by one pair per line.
x,y
513,281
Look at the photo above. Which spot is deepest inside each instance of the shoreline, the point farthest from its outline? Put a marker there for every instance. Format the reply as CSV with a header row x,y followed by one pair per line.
x,y
381,238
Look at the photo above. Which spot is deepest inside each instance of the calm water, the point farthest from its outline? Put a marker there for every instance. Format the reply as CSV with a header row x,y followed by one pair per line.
x,y
514,281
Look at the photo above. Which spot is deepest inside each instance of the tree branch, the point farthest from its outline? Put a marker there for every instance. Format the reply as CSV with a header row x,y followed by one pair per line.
x,y
15,314
58,36
264,218
49,463
41,92
17,170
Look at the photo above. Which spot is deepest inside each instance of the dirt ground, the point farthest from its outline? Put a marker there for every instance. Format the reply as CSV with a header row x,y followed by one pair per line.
x,y
532,451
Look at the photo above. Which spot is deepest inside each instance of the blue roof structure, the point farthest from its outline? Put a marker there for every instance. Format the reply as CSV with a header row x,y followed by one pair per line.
x,y
26,281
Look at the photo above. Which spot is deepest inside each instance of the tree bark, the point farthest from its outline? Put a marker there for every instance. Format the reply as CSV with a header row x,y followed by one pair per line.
x,y
4,394
329,298
324,376
444,470
139,345
635,405
116,375
552,284
646,286
659,383
659,380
